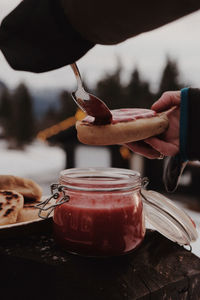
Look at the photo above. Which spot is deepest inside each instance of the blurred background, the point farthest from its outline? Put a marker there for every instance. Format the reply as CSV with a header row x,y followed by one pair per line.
x,y
37,113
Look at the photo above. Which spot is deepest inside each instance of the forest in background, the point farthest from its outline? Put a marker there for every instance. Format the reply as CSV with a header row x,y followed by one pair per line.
x,y
20,124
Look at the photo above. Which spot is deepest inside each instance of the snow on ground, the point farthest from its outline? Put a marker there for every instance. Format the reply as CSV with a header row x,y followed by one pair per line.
x,y
39,162
43,163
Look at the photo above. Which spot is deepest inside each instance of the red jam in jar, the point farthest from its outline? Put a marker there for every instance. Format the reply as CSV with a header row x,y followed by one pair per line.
x,y
104,214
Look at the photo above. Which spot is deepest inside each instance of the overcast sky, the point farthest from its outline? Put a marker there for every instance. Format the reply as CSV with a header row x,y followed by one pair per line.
x,y
179,40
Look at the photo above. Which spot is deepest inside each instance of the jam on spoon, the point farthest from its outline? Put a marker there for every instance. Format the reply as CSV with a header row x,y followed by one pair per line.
x,y
89,103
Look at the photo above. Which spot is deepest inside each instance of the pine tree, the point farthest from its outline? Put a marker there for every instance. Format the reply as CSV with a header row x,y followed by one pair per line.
x,y
5,104
6,113
50,118
170,77
67,106
110,89
138,92
23,118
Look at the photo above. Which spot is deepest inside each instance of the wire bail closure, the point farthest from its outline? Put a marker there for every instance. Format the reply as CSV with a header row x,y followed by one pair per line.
x,y
145,182
55,195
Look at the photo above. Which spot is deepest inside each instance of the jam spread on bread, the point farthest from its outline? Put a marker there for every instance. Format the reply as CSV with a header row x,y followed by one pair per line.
x,y
124,115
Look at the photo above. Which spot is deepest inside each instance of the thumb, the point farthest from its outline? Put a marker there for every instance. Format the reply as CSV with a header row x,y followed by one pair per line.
x,y
167,100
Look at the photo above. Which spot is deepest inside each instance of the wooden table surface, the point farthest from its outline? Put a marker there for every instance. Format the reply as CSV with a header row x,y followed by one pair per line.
x,y
33,267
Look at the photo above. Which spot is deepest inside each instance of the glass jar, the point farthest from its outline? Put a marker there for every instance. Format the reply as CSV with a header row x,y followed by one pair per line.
x,y
104,214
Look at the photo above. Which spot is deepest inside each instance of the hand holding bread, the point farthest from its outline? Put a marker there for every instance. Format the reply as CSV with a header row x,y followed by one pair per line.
x,y
168,143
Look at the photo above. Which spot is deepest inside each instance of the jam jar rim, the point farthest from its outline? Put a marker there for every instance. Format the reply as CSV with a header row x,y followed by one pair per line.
x,y
80,179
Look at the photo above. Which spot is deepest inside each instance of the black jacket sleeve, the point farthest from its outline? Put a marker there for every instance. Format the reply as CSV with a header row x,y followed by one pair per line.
x,y
193,126
37,37
111,21
42,35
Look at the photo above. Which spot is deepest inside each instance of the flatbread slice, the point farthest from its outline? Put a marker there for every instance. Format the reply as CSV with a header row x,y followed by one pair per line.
x,y
27,187
29,212
11,202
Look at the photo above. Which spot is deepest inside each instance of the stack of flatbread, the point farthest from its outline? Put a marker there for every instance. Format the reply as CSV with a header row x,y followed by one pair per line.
x,y
18,197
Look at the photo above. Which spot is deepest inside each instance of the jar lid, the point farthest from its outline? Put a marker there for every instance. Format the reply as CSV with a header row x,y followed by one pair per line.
x,y
168,219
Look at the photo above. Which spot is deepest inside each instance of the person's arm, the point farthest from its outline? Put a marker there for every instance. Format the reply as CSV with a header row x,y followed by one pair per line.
x,y
43,35
182,135
181,140
111,21
37,37
189,142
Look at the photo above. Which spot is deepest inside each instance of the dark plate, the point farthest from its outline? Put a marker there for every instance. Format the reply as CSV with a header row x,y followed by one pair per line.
x,y
24,229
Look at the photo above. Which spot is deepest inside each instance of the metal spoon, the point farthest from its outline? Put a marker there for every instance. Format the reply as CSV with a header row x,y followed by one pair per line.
x,y
89,103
